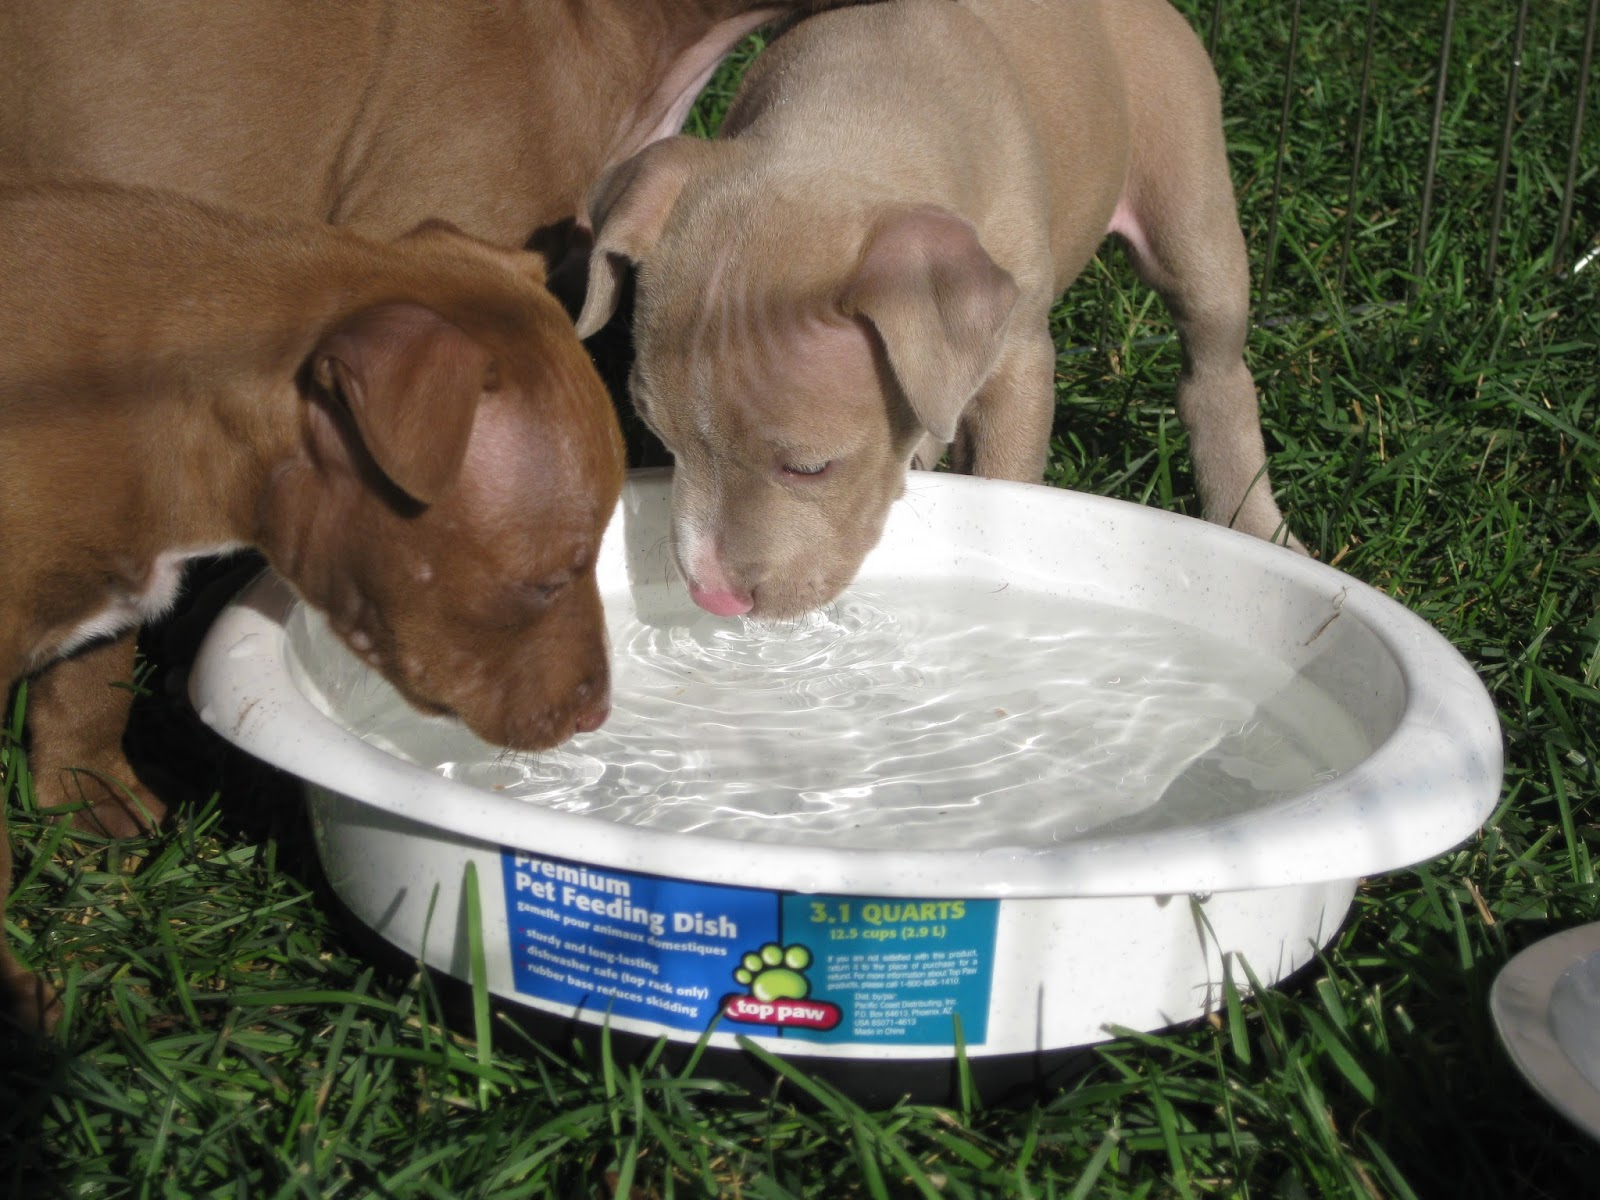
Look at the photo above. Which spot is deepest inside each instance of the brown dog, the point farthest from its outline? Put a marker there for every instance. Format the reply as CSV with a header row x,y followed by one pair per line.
x,y
865,262
373,113
378,114
409,431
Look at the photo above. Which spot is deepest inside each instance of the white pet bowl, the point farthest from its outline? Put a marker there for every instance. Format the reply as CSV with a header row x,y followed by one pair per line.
x,y
997,782
1546,1005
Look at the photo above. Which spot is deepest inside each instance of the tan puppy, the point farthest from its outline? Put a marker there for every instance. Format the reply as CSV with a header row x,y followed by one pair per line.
x,y
409,432
864,264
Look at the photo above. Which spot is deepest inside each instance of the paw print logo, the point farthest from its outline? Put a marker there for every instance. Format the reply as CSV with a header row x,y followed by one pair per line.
x,y
777,992
775,972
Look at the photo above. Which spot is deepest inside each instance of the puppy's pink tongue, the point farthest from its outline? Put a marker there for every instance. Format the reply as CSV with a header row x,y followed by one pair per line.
x,y
721,603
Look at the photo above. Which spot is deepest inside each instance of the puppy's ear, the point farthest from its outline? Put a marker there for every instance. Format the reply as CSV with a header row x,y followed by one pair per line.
x,y
628,209
411,381
432,227
523,262
940,305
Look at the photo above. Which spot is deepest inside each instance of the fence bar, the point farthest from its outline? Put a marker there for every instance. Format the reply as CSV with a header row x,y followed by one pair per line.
x,y
1506,126
1432,167
1283,139
1355,147
1564,224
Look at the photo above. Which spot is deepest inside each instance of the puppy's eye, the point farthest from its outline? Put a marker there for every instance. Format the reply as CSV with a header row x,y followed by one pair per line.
x,y
541,592
806,470
512,605
528,597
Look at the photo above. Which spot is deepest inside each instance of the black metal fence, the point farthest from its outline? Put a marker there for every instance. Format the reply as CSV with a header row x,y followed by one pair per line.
x,y
1476,67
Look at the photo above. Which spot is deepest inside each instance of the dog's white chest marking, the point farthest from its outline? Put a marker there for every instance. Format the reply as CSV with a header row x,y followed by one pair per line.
x,y
127,609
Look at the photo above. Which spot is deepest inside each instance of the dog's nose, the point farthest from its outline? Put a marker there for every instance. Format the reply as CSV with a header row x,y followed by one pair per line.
x,y
593,704
591,719
721,602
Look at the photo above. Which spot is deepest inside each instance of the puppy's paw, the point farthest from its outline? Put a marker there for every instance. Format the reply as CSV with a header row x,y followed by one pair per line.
x,y
929,454
30,1003
1260,517
1282,537
105,799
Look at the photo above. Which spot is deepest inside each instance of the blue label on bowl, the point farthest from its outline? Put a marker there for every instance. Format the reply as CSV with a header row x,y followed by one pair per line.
x,y
899,970
770,964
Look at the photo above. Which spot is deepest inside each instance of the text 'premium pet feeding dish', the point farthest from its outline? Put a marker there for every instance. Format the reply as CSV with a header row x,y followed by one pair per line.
x,y
1046,763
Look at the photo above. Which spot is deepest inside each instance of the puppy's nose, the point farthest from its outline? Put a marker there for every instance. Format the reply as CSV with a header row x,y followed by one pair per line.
x,y
721,602
592,718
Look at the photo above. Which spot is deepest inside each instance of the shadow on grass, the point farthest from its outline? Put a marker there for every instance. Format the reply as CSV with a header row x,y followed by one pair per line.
x,y
1450,1095
177,755
1446,1105
34,1074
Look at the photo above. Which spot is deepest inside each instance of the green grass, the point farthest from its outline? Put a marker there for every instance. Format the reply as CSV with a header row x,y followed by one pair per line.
x,y
1434,435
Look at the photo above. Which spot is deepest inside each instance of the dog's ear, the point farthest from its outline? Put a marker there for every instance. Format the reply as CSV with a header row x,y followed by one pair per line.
x,y
523,262
940,305
628,209
433,227
411,381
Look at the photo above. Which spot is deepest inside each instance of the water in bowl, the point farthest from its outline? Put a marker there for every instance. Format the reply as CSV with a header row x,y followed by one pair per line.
x,y
962,715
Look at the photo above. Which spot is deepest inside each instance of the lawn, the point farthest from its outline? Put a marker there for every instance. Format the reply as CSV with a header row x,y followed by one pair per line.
x,y
1433,431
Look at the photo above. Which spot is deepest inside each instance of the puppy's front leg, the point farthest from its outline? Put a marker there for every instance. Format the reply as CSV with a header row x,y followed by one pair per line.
x,y
28,999
77,712
927,454
1005,430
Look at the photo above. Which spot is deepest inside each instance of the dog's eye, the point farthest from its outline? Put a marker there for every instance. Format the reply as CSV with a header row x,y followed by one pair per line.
x,y
526,599
512,605
806,470
542,591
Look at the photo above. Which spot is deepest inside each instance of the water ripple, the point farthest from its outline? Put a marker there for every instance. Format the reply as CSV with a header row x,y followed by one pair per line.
x,y
951,717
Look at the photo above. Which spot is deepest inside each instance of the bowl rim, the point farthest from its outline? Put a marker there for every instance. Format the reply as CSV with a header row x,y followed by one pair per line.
x,y
1445,754
1519,1001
